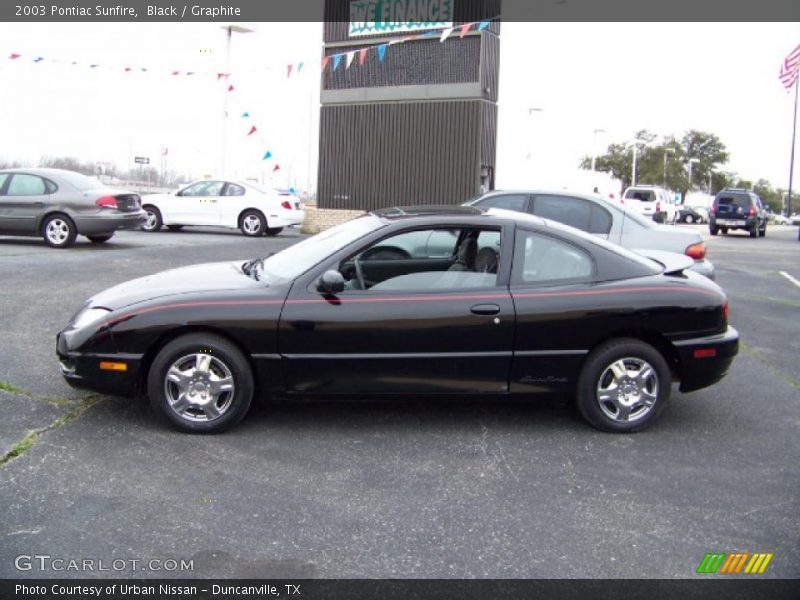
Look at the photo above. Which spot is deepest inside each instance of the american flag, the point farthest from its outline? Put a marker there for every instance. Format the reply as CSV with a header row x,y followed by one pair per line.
x,y
790,67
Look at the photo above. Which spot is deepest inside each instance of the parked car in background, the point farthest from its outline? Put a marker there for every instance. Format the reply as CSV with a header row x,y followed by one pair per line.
x,y
560,312
59,205
609,220
651,201
689,214
779,219
735,208
253,209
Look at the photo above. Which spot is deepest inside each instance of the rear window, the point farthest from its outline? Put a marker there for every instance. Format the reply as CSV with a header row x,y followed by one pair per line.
x,y
642,195
733,203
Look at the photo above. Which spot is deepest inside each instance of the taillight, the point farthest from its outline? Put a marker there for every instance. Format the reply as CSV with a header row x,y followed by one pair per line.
x,y
106,202
658,206
696,251
752,211
285,204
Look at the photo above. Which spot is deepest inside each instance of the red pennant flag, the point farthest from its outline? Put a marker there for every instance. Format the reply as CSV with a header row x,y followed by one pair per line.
x,y
252,130
276,168
230,88
325,61
221,75
464,29
362,54
14,56
289,70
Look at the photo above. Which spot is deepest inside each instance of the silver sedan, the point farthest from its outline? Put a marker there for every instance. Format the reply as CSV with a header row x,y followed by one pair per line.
x,y
59,205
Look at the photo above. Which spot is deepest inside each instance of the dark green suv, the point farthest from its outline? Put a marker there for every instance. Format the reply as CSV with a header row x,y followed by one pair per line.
x,y
738,209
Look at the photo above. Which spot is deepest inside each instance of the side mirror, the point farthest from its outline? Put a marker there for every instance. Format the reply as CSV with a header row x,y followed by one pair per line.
x,y
331,282
179,193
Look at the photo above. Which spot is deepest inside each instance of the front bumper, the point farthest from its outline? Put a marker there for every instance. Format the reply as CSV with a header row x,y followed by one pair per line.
x,y
82,369
109,222
699,368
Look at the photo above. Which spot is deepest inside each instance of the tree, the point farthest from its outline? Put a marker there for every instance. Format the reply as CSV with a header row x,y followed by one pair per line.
x,y
710,152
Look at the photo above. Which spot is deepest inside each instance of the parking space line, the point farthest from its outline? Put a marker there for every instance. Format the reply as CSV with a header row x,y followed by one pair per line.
x,y
790,278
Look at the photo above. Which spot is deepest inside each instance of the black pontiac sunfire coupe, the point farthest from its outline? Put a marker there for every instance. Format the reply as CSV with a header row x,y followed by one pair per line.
x,y
422,300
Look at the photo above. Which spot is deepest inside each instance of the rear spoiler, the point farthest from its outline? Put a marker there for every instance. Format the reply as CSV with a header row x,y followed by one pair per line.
x,y
672,262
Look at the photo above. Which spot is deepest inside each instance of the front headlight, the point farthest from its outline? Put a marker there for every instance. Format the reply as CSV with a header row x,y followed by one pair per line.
x,y
89,316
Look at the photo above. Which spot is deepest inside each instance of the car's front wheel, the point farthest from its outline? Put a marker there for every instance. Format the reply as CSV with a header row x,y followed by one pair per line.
x,y
253,223
59,231
100,239
623,386
153,222
201,383
689,219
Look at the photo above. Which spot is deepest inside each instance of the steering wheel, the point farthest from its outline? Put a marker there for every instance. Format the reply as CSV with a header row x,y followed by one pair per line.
x,y
359,273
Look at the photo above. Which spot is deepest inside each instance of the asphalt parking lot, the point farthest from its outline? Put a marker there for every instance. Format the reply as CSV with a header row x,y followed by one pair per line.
x,y
394,489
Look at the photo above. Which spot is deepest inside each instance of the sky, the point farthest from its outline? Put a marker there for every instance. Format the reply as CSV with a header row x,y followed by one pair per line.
x,y
581,77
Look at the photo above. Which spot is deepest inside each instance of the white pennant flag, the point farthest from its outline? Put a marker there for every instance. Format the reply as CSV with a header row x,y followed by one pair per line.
x,y
350,56
446,33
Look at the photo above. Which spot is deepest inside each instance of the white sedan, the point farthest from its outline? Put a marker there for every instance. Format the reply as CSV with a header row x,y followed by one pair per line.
x,y
243,205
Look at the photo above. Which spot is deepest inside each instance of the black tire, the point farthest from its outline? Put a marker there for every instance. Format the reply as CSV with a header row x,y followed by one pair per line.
x,y
174,227
59,231
754,231
713,230
763,232
689,219
224,360
273,231
253,223
599,367
154,220
724,231
99,239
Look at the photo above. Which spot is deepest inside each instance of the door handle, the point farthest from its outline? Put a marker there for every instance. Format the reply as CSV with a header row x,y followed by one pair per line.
x,y
485,309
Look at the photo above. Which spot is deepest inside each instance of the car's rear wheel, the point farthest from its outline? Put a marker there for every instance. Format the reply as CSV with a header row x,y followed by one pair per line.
x,y
200,382
754,231
763,232
689,219
59,231
724,231
623,386
253,223
153,222
174,227
272,231
99,239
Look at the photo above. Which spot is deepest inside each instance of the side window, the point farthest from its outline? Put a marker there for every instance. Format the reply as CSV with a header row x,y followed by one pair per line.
x,y
234,190
540,258
425,260
506,201
52,188
3,177
564,209
600,220
203,188
26,185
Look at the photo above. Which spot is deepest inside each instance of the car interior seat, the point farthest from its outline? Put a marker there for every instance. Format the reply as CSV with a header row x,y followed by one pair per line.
x,y
465,258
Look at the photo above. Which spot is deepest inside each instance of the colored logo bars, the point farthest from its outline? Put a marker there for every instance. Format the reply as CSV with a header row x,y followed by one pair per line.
x,y
722,563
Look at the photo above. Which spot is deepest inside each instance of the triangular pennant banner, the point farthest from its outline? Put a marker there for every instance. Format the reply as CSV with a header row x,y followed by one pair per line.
x,y
381,52
14,56
446,34
95,66
245,115
350,56
127,69
483,25
337,58
276,168
325,61
38,59
267,155
176,72
252,130
299,67
221,75
362,54
464,29
292,190
289,70
230,88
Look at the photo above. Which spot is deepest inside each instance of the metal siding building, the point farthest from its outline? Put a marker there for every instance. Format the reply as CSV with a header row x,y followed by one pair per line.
x,y
419,127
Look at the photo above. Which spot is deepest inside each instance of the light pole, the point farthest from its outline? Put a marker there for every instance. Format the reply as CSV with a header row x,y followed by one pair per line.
x,y
691,162
531,110
594,145
230,29
667,151
633,169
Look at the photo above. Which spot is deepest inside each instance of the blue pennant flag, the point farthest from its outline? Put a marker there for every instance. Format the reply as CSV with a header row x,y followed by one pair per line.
x,y
337,58
292,191
267,155
299,67
245,115
381,51
38,59
483,25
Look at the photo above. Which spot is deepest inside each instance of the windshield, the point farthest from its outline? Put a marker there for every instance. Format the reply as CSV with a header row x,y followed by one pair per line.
x,y
296,260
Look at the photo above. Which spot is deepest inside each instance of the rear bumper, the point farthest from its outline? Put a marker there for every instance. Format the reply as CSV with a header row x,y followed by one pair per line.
x,y
82,370
109,222
699,368
285,218
720,222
